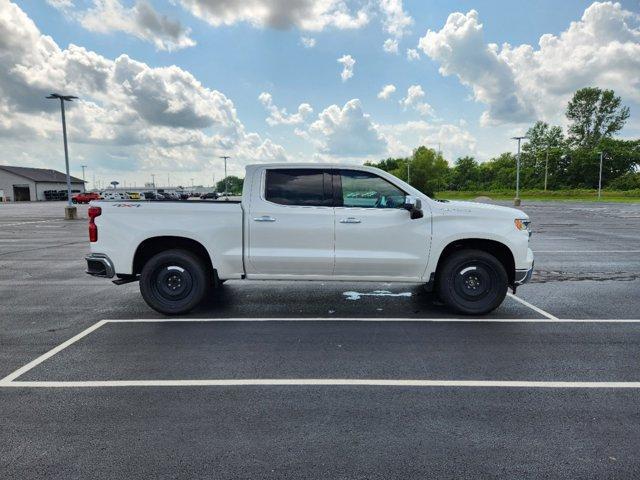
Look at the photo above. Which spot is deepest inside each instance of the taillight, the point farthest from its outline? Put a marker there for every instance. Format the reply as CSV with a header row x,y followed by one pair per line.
x,y
93,228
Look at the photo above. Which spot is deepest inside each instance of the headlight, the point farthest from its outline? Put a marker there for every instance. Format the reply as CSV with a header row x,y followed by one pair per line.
x,y
522,224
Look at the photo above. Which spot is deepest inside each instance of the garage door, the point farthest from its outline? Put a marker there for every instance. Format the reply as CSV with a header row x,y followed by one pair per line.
x,y
21,194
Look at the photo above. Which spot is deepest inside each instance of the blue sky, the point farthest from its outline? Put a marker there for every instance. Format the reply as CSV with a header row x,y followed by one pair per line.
x,y
467,95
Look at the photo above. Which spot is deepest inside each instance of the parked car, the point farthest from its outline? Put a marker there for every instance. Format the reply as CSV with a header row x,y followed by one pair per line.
x,y
209,196
134,196
85,197
109,195
300,222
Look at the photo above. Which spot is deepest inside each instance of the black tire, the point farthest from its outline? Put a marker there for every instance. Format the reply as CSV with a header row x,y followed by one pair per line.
x,y
472,282
73,200
174,282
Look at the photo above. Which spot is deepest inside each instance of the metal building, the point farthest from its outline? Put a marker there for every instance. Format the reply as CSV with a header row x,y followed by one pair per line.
x,y
23,184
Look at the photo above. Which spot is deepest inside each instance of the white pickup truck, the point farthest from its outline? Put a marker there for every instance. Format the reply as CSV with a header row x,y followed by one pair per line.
x,y
312,222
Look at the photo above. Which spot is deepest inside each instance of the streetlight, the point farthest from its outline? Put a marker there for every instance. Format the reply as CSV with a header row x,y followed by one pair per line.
x,y
516,201
409,171
600,179
226,185
153,180
70,211
84,182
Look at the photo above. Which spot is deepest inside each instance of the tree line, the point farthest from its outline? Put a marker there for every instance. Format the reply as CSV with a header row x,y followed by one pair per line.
x,y
549,159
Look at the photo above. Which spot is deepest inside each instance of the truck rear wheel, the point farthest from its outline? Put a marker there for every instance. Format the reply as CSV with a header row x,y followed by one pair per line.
x,y
472,282
174,282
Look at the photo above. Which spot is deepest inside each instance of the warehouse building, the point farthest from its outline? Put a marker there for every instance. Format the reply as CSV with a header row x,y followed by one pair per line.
x,y
23,184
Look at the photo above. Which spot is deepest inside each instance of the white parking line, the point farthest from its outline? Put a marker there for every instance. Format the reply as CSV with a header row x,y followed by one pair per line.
x,y
10,380
533,307
51,353
16,224
351,382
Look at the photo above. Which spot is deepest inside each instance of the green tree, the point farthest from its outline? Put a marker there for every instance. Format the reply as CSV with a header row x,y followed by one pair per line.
x,y
542,137
594,114
235,184
465,174
429,170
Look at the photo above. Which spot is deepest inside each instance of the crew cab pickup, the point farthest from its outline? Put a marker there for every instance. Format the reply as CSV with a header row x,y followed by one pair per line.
x,y
312,222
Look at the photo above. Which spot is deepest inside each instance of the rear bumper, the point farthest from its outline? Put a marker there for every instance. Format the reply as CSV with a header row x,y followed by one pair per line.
x,y
99,265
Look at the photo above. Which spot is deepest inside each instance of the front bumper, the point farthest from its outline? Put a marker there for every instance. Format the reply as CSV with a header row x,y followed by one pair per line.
x,y
523,276
100,265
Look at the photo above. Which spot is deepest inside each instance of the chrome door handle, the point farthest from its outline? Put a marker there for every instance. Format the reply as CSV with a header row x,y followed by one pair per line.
x,y
350,220
264,218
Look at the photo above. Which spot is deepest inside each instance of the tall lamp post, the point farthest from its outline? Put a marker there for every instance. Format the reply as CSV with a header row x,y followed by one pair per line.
x,y
226,184
516,201
70,212
600,179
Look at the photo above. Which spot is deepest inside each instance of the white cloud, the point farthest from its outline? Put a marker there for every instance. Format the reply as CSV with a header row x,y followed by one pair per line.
x,y
141,21
308,42
396,21
453,140
386,91
61,4
308,15
347,63
523,83
412,54
126,106
347,131
390,46
280,116
414,97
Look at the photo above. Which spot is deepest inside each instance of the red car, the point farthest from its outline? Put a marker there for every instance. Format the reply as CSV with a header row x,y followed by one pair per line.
x,y
85,197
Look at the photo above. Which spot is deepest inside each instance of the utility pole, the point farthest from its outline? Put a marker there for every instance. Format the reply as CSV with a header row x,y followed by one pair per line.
x,y
70,210
84,182
516,201
600,179
226,184
546,170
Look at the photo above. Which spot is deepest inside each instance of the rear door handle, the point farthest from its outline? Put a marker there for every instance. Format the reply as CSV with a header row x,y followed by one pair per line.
x,y
264,218
350,220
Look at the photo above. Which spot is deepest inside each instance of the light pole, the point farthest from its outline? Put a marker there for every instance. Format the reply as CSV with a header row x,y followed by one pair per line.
x,y
70,210
226,185
153,181
600,179
546,170
516,201
84,182
409,172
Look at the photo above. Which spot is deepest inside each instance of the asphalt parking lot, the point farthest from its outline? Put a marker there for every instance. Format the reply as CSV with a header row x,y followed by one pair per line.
x,y
322,380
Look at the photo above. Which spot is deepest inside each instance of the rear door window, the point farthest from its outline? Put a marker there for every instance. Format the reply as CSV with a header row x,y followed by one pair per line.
x,y
299,186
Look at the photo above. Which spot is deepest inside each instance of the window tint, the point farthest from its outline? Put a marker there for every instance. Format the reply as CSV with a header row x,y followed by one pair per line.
x,y
367,190
306,187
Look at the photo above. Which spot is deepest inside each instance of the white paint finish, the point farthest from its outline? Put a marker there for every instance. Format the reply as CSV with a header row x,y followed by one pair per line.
x,y
375,293
328,382
52,352
385,242
217,226
468,269
532,307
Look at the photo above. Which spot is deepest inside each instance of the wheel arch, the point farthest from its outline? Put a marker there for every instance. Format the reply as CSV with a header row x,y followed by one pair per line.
x,y
498,249
154,245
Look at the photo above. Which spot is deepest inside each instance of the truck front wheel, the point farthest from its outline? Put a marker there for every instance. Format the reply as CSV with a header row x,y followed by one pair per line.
x,y
174,282
472,282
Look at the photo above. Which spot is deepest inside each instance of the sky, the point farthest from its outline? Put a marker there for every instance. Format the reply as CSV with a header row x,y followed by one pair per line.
x,y
167,87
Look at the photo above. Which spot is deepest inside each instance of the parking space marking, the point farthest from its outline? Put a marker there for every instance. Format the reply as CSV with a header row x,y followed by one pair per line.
x,y
533,307
349,382
10,380
16,224
51,353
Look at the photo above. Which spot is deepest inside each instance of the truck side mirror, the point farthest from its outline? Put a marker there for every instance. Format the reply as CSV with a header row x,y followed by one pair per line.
x,y
414,206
